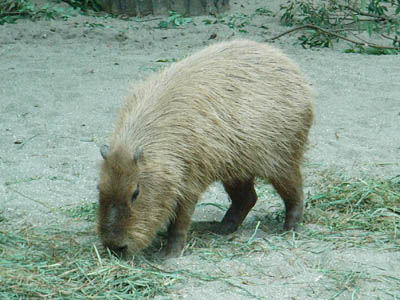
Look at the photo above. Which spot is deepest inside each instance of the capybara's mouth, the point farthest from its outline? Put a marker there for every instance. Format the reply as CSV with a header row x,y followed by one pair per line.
x,y
118,251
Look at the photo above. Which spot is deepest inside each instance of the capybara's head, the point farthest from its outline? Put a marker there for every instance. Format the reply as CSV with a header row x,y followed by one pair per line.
x,y
131,202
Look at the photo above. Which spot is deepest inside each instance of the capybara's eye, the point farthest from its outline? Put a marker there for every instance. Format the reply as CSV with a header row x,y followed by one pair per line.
x,y
135,194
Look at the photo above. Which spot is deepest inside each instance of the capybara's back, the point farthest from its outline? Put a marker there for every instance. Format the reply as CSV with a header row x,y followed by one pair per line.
x,y
230,112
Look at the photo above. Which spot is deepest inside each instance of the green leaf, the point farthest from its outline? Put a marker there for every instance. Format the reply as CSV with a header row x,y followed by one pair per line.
x,y
163,60
163,24
263,11
349,50
372,51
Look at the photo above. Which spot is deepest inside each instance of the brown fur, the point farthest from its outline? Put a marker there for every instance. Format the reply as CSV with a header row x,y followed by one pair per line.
x,y
230,112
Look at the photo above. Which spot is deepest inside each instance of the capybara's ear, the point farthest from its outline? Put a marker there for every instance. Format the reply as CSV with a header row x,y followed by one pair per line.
x,y
138,156
104,151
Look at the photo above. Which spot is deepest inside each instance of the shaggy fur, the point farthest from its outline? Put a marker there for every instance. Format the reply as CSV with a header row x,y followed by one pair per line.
x,y
230,112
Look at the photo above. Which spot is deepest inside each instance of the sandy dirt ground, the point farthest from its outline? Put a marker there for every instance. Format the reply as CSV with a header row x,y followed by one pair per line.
x,y
61,83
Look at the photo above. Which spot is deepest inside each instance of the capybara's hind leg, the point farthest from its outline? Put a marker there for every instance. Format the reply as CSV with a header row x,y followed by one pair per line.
x,y
177,231
290,187
243,198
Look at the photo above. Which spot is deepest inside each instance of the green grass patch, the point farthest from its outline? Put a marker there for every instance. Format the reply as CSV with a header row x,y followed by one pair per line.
x,y
86,211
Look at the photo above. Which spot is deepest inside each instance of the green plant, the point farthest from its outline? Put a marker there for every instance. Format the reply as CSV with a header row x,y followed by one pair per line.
x,y
174,20
327,22
13,10
238,20
262,11
235,21
85,5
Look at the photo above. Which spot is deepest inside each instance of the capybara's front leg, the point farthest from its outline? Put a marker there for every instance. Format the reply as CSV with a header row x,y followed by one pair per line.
x,y
290,187
177,231
243,197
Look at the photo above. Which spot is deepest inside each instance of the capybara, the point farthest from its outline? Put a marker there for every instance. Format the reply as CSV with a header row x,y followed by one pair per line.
x,y
230,112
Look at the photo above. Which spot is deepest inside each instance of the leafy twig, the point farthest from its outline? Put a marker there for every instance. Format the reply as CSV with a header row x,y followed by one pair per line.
x,y
375,16
332,34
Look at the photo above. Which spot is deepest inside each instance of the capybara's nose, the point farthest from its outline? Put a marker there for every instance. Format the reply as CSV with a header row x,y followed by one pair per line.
x,y
121,249
117,250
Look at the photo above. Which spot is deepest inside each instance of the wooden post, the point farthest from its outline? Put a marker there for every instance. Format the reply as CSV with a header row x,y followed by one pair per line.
x,y
162,7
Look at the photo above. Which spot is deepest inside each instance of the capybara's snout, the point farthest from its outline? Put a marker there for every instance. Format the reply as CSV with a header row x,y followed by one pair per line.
x,y
117,249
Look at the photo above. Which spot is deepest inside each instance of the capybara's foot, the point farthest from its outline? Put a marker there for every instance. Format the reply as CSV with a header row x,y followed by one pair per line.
x,y
291,227
226,227
290,188
171,252
294,216
175,245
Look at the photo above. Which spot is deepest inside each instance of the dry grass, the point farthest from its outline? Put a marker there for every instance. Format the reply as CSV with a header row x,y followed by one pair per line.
x,y
56,263
53,264
356,204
